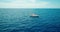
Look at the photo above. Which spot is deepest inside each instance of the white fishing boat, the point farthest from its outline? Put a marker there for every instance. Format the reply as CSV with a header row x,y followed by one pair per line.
x,y
34,15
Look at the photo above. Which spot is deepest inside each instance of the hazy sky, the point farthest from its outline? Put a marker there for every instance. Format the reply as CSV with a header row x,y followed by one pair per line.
x,y
29,3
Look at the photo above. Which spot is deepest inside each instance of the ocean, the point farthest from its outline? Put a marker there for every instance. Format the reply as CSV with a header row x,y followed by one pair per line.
x,y
19,20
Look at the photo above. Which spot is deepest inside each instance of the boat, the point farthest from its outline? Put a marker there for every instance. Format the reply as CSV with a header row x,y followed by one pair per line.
x,y
34,15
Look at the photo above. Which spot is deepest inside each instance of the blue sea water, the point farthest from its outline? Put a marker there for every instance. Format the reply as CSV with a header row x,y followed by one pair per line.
x,y
19,20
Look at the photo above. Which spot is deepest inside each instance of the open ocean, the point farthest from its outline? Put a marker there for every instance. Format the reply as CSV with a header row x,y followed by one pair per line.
x,y
19,20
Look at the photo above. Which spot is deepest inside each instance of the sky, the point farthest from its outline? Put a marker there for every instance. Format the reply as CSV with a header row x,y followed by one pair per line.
x,y
29,3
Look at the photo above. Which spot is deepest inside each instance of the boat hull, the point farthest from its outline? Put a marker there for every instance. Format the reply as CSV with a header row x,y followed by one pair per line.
x,y
34,16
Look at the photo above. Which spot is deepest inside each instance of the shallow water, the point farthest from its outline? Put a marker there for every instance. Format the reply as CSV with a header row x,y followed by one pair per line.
x,y
19,20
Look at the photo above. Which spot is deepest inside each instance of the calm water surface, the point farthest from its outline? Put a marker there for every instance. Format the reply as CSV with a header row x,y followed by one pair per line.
x,y
19,20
